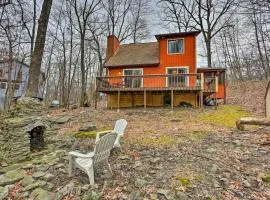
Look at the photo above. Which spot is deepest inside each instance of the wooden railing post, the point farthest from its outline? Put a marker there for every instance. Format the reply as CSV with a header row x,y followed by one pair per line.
x,y
118,101
216,84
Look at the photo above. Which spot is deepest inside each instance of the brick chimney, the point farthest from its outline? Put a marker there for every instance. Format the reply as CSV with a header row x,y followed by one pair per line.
x,y
112,46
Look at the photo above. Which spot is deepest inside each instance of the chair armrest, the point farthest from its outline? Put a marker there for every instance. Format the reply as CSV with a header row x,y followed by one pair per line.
x,y
80,155
101,133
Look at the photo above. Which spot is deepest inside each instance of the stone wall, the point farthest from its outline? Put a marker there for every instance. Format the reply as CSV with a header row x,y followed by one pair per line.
x,y
15,131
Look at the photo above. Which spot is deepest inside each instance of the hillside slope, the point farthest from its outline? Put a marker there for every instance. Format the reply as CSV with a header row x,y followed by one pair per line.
x,y
249,94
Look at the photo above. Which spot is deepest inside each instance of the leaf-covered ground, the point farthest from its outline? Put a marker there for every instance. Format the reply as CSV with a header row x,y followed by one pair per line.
x,y
180,154
184,154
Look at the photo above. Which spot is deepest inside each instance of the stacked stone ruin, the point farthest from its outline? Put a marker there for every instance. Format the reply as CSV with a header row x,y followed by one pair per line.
x,y
16,128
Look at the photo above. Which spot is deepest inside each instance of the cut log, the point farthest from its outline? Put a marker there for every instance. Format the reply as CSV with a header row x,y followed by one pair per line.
x,y
251,121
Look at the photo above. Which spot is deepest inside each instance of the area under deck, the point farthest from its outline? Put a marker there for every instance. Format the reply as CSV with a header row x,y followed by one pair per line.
x,y
137,90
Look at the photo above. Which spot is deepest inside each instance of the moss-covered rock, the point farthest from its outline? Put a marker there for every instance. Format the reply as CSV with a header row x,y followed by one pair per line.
x,y
11,177
82,134
40,194
27,180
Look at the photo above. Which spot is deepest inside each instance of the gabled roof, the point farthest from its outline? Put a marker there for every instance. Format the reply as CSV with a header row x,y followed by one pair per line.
x,y
142,54
181,34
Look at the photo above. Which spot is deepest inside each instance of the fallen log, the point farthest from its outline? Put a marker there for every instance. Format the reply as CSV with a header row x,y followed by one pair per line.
x,y
251,121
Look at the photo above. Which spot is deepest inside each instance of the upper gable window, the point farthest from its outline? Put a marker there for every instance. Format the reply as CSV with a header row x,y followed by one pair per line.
x,y
176,46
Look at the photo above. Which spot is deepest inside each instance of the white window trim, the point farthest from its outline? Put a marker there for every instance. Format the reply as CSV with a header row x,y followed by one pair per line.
x,y
178,67
176,53
141,69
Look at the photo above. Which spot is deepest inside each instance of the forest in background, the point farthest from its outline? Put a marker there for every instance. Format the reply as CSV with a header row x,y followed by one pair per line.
x,y
235,35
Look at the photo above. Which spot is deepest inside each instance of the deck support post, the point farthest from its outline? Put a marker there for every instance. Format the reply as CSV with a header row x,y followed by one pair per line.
x,y
216,91
172,99
201,100
144,99
201,91
96,98
96,94
118,101
216,103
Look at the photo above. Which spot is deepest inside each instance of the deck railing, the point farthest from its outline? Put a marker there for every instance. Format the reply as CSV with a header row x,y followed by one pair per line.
x,y
182,82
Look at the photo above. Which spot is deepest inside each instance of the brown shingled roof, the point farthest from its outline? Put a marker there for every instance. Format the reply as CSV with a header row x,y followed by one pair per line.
x,y
135,55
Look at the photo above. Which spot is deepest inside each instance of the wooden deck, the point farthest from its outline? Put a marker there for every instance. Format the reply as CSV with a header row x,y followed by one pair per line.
x,y
168,82
118,87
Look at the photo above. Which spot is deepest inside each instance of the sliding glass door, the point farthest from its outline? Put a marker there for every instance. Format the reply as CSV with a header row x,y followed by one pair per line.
x,y
132,81
177,81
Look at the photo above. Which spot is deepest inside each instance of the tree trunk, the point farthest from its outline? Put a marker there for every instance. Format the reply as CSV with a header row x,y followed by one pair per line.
x,y
208,53
251,121
34,70
83,100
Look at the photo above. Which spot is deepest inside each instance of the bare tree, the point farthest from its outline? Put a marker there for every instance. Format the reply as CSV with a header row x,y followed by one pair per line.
x,y
117,18
29,21
83,11
175,15
140,10
34,70
11,33
209,16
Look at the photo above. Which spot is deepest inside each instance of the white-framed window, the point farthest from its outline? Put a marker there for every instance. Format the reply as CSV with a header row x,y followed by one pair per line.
x,y
177,81
176,46
133,82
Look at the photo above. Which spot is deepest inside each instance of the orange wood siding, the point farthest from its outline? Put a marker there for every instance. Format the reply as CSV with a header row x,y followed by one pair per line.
x,y
221,92
187,59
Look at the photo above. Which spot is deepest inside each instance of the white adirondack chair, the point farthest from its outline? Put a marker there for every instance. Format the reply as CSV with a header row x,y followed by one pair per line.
x,y
119,128
86,162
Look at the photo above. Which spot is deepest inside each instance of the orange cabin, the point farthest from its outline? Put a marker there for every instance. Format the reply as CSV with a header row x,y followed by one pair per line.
x,y
139,71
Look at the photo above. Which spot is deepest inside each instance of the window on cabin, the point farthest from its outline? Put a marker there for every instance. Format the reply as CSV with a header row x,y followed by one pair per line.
x,y
176,80
3,85
176,46
1,73
132,81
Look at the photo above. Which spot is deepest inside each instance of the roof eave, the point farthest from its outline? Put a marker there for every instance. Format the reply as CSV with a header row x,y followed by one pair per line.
x,y
181,34
132,65
211,69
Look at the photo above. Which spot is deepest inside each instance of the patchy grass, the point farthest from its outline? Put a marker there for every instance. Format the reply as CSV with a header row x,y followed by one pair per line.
x,y
183,181
266,178
225,115
198,135
164,140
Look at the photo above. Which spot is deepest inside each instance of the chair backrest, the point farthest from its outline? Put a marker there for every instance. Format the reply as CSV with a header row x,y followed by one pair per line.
x,y
120,126
103,147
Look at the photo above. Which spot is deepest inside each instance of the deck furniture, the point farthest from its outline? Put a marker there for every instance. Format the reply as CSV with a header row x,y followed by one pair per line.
x,y
86,162
119,128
